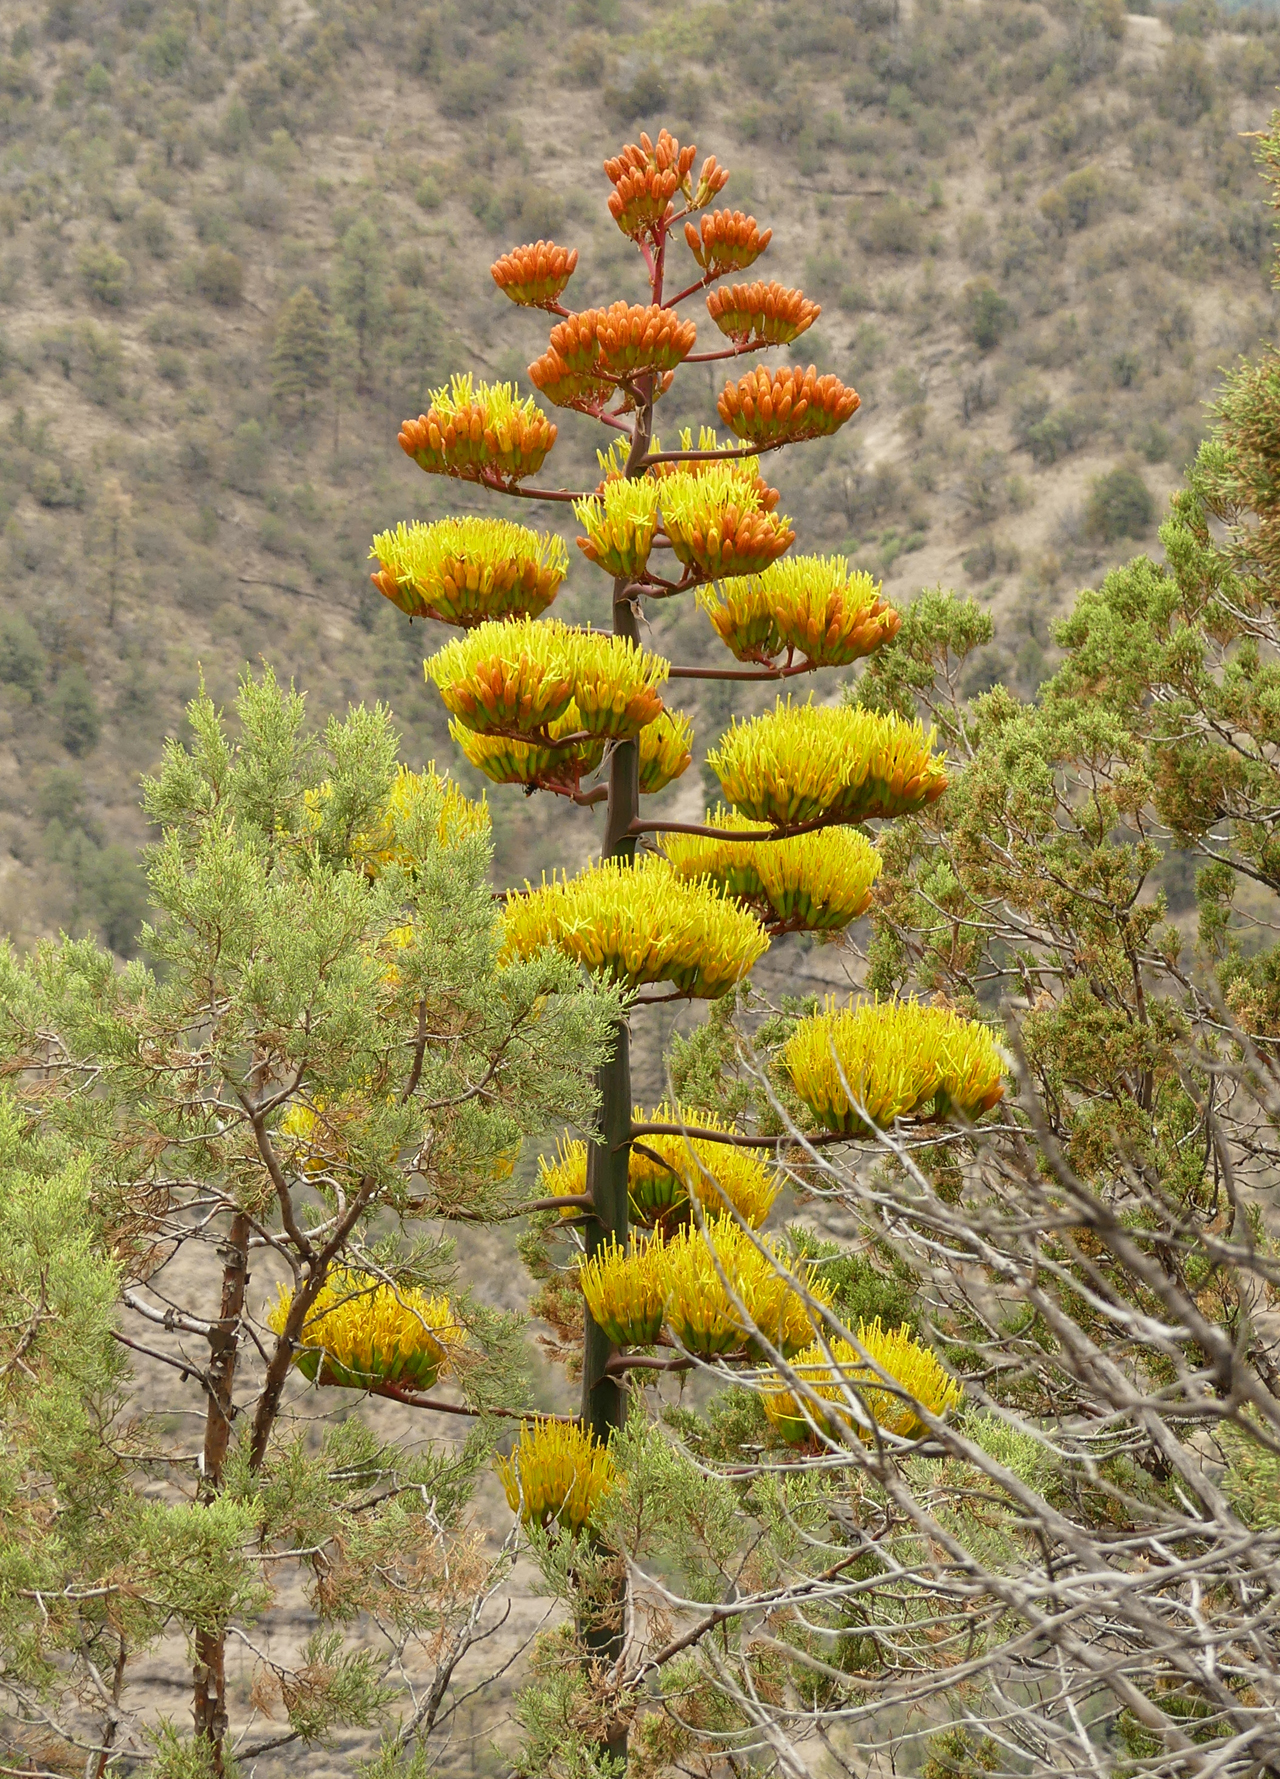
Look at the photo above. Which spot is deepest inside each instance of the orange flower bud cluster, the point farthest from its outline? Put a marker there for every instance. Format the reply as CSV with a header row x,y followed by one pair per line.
x,y
468,431
711,181
768,312
727,241
566,388
534,276
645,179
783,406
626,339
716,527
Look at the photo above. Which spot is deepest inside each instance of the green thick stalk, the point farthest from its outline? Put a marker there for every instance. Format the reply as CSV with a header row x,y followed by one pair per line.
x,y
604,1397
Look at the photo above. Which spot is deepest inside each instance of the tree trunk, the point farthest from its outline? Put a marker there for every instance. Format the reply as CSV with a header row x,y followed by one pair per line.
x,y
209,1706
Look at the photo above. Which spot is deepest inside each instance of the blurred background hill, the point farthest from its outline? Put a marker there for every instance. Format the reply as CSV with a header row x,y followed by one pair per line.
x,y
240,240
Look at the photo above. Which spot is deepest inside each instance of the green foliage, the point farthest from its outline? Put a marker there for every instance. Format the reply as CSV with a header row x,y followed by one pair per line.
x,y
218,276
23,660
1119,505
988,316
104,274
76,710
300,354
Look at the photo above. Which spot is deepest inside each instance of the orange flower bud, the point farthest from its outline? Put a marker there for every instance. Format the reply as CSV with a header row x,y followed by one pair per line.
x,y
566,388
645,179
534,276
767,312
783,406
727,241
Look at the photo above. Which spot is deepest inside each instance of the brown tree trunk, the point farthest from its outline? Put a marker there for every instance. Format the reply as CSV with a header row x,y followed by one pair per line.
x,y
209,1705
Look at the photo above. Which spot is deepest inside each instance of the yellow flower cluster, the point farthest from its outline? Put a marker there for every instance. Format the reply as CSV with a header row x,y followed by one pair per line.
x,y
478,430
815,882
699,1312
809,606
557,1471
784,406
659,1191
674,1283
716,1174
463,571
761,312
896,1059
534,276
625,1290
805,762
508,761
620,522
639,923
518,678
664,751
360,1333
852,1380
714,518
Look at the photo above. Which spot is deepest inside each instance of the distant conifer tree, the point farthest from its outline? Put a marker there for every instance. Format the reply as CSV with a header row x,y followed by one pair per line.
x,y
300,354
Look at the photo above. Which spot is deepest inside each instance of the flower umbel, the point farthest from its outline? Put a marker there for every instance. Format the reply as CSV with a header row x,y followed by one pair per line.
x,y
699,1311
479,431
784,406
817,882
761,312
726,241
639,923
809,606
620,522
360,1333
557,1472
535,276
463,571
664,751
505,678
536,765
716,525
805,762
623,1288
851,1380
666,1172
896,1059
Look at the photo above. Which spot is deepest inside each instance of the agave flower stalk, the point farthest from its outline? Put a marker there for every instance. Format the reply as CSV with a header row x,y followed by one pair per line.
x,y
817,882
646,177
761,314
479,432
639,924
464,571
535,276
783,407
558,1474
810,606
361,1333
855,1375
867,1064
802,763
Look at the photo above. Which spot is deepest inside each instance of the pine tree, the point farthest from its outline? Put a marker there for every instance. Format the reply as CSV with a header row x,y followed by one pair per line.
x,y
299,354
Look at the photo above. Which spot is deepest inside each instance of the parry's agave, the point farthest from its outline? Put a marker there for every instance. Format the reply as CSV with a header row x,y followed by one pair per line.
x,y
716,524
768,313
868,1064
664,751
534,276
702,1315
620,522
624,1291
784,406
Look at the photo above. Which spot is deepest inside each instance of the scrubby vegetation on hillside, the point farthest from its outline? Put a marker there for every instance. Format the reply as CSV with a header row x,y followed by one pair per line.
x,y
239,244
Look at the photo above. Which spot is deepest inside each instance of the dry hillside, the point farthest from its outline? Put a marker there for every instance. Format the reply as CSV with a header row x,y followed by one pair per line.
x,y
1034,228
